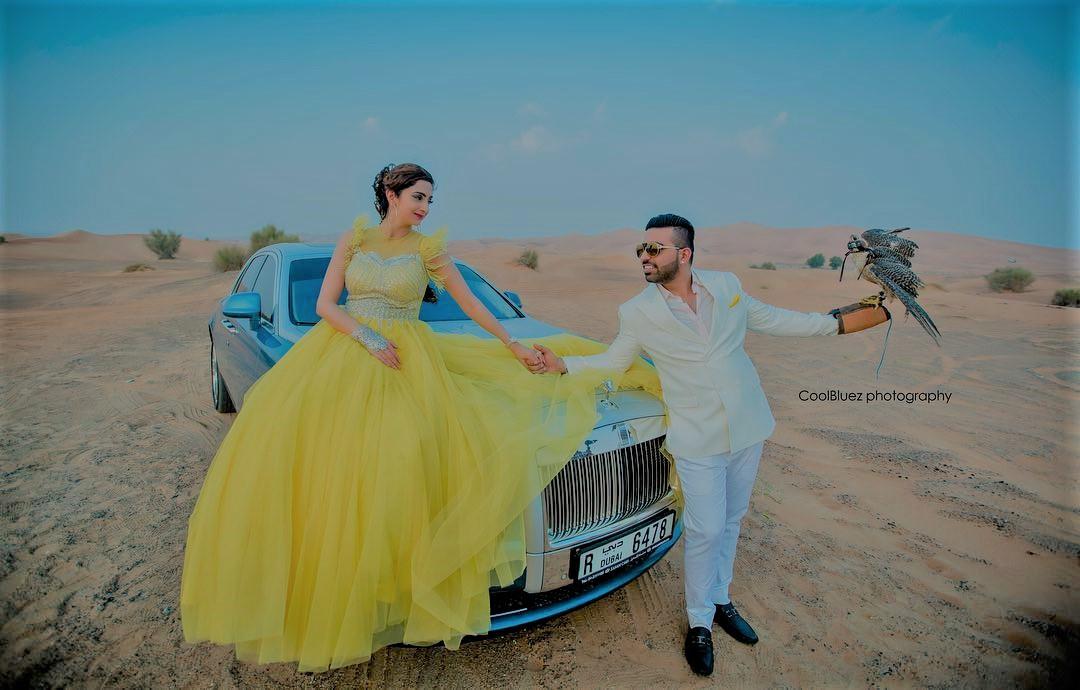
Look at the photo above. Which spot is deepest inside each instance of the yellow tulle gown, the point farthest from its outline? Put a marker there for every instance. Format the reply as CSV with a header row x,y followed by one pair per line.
x,y
351,505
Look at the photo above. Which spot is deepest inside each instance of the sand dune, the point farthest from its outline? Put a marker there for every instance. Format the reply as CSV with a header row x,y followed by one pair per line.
x,y
81,245
930,544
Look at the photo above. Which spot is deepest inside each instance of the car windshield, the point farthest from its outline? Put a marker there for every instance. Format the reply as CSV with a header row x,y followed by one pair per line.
x,y
306,276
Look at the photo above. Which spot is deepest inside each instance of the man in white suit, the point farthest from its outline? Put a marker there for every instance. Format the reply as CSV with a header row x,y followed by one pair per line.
x,y
692,325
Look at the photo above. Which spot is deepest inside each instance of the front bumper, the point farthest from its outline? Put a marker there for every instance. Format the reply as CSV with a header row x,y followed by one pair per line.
x,y
552,568
513,609
612,485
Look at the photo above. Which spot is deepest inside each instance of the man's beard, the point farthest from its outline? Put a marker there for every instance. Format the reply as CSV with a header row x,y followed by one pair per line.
x,y
663,274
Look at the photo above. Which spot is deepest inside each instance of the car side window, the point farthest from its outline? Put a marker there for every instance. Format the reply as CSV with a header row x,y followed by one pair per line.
x,y
247,277
264,285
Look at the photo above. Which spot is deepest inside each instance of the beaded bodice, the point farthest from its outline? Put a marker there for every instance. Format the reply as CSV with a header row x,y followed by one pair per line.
x,y
386,278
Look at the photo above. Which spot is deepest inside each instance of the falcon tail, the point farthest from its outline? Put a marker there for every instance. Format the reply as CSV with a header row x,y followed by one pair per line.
x,y
924,320
913,307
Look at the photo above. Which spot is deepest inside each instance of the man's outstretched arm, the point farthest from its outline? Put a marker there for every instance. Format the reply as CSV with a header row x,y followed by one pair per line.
x,y
619,356
765,318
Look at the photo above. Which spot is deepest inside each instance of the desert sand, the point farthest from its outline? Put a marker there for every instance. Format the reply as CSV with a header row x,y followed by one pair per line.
x,y
888,544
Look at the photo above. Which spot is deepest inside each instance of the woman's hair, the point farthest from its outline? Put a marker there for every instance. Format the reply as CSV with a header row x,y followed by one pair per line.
x,y
396,178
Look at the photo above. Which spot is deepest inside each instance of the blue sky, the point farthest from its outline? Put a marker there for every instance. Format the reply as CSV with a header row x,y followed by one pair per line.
x,y
542,118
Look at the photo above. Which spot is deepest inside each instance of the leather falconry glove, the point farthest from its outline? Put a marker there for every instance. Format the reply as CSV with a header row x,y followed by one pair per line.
x,y
858,317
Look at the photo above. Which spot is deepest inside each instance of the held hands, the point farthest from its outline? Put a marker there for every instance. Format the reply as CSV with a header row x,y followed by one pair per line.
x,y
380,348
529,359
540,361
551,361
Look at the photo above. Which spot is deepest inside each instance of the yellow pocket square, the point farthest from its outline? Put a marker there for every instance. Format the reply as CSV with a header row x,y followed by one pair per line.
x,y
734,301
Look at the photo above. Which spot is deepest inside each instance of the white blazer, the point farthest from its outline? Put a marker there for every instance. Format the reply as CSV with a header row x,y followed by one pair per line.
x,y
703,377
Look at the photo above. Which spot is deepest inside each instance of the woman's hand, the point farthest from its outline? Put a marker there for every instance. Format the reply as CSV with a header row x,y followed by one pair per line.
x,y
527,357
550,361
380,347
387,355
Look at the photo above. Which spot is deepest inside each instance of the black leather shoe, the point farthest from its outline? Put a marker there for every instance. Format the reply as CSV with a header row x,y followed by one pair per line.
x,y
698,650
734,625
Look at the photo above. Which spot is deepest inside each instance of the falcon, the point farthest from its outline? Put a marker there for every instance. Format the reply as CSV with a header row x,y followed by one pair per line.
x,y
883,258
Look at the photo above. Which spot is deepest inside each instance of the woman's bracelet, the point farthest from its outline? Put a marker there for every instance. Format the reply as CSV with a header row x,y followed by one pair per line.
x,y
510,342
369,338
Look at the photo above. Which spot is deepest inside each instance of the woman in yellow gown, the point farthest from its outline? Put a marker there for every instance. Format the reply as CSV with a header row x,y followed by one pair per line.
x,y
371,489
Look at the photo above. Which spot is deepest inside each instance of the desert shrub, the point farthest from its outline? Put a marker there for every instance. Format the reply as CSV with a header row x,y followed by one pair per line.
x,y
269,234
163,243
230,258
1067,297
1010,279
2,239
768,266
529,258
834,262
816,261
132,268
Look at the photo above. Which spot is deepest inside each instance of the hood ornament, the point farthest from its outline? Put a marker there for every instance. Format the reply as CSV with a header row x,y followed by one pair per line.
x,y
581,454
608,389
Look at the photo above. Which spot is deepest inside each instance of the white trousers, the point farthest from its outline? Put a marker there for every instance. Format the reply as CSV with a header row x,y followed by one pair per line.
x,y
716,490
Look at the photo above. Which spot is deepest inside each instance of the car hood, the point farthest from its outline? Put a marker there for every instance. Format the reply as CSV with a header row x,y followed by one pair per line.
x,y
527,327
615,408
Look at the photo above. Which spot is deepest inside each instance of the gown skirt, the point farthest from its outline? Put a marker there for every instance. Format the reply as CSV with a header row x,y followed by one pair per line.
x,y
352,506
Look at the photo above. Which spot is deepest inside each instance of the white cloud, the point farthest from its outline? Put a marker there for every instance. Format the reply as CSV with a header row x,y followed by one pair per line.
x,y
533,141
754,142
536,139
760,141
371,124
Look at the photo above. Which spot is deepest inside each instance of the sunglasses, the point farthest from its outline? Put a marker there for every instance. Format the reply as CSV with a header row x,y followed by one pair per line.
x,y
653,248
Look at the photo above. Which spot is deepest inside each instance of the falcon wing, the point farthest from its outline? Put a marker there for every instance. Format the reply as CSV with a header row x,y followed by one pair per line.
x,y
876,237
903,283
889,254
899,274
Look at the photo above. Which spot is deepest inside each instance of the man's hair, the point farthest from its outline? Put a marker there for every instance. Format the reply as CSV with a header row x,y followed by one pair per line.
x,y
684,231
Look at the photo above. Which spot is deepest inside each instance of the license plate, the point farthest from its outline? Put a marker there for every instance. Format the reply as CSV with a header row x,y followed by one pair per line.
x,y
597,560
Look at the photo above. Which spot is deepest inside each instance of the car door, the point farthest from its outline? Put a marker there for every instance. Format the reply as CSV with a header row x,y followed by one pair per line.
x,y
225,331
252,344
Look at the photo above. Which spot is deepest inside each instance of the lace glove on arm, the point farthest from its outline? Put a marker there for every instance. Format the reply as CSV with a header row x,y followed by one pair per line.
x,y
374,342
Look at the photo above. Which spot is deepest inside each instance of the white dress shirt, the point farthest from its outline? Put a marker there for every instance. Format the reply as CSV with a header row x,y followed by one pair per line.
x,y
700,320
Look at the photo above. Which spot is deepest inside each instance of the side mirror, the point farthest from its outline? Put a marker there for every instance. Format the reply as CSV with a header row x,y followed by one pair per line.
x,y
514,298
243,305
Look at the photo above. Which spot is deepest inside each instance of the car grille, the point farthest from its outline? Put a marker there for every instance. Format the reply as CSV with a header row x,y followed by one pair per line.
x,y
593,491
